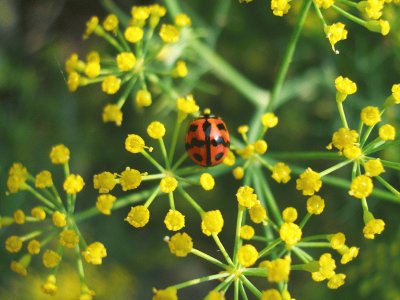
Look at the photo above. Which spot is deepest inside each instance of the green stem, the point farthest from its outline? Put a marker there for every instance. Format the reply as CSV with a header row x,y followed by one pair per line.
x,y
175,134
243,291
40,197
305,220
199,280
152,161
209,258
238,240
128,89
349,16
271,246
180,161
319,14
250,286
304,155
314,245
164,153
260,272
288,56
222,249
236,289
334,168
387,185
171,200
191,201
342,114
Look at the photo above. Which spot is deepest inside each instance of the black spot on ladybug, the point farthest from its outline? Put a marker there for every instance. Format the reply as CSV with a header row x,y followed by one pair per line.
x,y
218,141
219,156
197,157
193,128
195,143
221,126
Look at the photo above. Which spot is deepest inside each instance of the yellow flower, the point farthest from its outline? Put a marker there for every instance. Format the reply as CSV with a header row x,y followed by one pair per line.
x,y
156,130
182,20
50,287
281,172
51,259
238,173
315,205
69,238
112,113
130,179
337,240
43,180
111,84
278,269
361,187
258,213
246,197
169,33
214,295
269,120
92,69
104,182
280,7
373,227
387,132
327,266
34,247
59,219
105,203
344,87
110,23
348,254
143,98
335,33
134,143
174,220
336,281
373,167
72,63
19,268
309,182
90,26
243,129
271,294
180,244
95,253
260,146
352,152
59,154
140,13
324,3
289,214
212,222
38,212
167,294
168,184
229,159
247,255
187,105
126,61
370,115
396,93
133,34
207,182
73,184
93,56
379,26
73,81
372,8
290,233
19,217
246,232
13,244
180,69
138,216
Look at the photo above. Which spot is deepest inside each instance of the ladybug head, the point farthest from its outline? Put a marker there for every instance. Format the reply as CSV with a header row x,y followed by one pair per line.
x,y
207,113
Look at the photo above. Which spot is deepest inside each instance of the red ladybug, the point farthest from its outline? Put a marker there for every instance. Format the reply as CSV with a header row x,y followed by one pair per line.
x,y
207,140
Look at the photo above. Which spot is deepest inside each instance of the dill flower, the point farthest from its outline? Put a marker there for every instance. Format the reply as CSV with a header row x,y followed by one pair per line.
x,y
180,244
59,154
50,259
112,113
187,105
59,219
126,61
335,33
182,20
105,203
95,253
258,213
156,130
348,254
133,34
315,205
238,173
34,247
269,120
43,180
373,227
387,132
327,266
17,176
271,294
344,138
143,98
361,187
110,23
169,33
174,220
370,115
111,84
324,3
290,233
168,184
13,244
73,81
337,240
344,87
281,172
336,281
138,216
167,294
280,7
39,213
309,182
134,143
352,152
247,255
278,269
104,182
289,214
229,159
246,232
212,222
246,197
207,182
180,70
91,26
260,146
73,184
130,179
19,268
69,238
379,26
373,167
19,217
50,287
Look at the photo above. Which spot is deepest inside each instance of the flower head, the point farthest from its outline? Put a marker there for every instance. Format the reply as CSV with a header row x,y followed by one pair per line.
x,y
335,33
111,84
105,203
168,184
134,143
143,98
187,105
104,182
373,227
133,34
69,238
269,120
73,184
280,7
126,61
207,182
51,259
95,253
138,216
361,187
344,138
174,220
271,294
112,113
344,87
246,197
90,26
13,244
309,182
59,219
387,132
373,167
289,214
19,216
336,281
38,213
167,294
281,172
370,115
59,154
180,244
43,180
130,179
110,23
50,287
182,20
212,222
247,255
337,240
246,232
290,233
315,205
258,213
278,269
169,33
156,130
34,247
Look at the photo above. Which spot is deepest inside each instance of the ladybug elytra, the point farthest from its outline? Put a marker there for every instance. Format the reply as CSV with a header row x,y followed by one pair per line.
x,y
207,140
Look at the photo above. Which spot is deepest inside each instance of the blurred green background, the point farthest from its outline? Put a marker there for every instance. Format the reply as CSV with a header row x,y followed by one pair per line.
x,y
37,112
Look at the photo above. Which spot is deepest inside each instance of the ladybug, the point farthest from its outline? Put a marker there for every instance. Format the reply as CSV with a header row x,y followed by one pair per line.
x,y
207,140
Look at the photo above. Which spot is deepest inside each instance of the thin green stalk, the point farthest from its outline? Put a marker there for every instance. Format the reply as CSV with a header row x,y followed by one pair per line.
x,y
152,161
243,291
314,245
164,153
349,16
199,280
236,289
152,196
260,272
334,168
349,3
305,220
153,177
388,186
305,155
40,197
250,286
180,161
270,247
209,258
175,134
238,240
288,56
171,200
320,15
128,89
342,114
222,249
300,255
191,201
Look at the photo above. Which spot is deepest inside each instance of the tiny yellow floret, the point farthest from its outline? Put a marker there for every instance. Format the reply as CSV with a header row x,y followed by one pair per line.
x,y
167,294
180,69
133,34
169,33
344,86
111,84
112,113
104,182
110,23
335,33
269,120
281,172
130,179
238,173
59,219
180,244
38,213
212,222
246,232
337,240
187,105
138,216
280,7
373,227
182,20
361,187
370,115
315,205
90,26
387,132
73,184
278,269
69,238
34,247
271,294
19,216
174,220
343,138
290,233
246,197
168,184
156,130
43,180
260,146
105,203
258,214
59,154
373,167
309,182
13,244
247,255
51,259
50,287
289,214
207,181
95,253
134,143
143,98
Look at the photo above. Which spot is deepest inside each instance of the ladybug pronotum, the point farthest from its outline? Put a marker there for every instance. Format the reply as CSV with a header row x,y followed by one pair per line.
x,y
207,140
